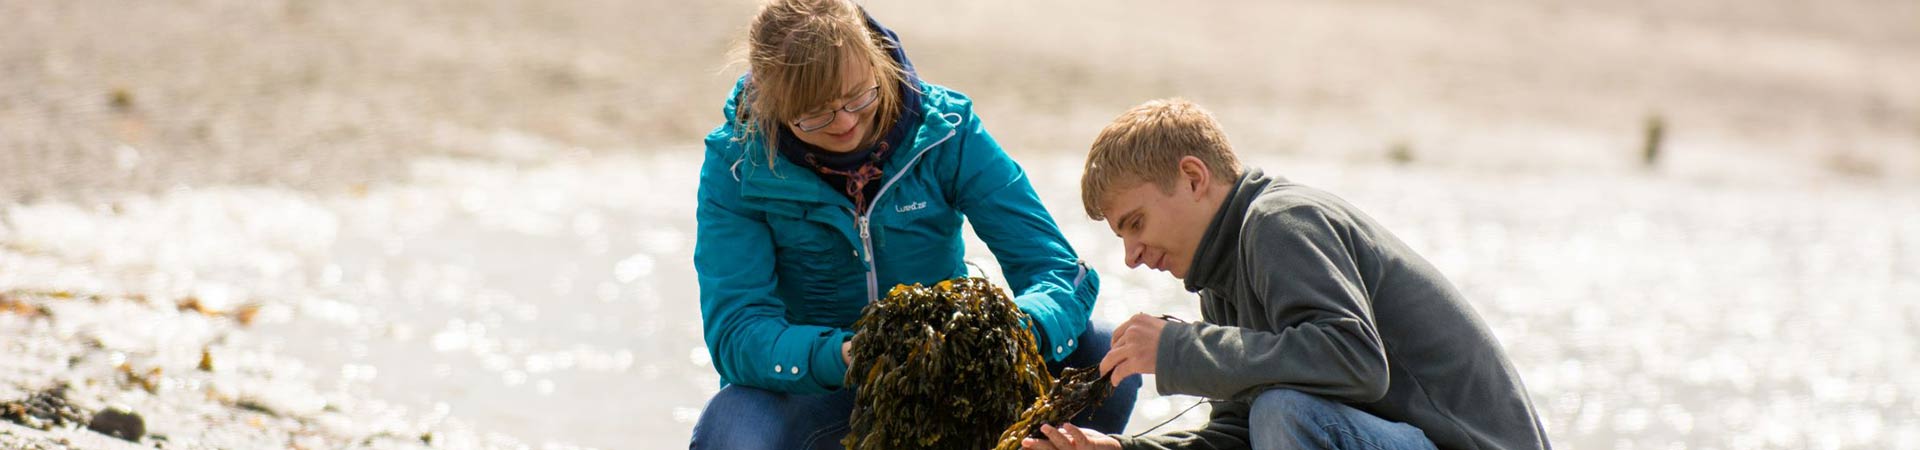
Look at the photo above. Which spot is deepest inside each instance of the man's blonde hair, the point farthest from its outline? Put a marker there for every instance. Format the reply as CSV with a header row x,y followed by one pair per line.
x,y
1145,144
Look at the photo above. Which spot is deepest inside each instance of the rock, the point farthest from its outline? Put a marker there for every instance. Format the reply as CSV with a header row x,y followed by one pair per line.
x,y
1400,153
121,99
1650,148
44,410
119,422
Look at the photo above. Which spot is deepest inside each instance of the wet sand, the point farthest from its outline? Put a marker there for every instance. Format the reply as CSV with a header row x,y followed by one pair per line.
x,y
473,221
101,98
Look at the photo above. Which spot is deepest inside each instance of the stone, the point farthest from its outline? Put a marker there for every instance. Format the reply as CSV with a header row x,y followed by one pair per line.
x,y
120,422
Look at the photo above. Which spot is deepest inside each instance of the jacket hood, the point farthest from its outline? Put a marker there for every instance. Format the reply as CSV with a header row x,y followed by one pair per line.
x,y
911,96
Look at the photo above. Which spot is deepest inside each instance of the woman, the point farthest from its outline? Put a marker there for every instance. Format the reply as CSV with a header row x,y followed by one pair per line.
x,y
838,174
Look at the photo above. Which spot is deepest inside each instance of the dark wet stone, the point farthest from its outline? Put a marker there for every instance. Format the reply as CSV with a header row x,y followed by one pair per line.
x,y
119,422
44,410
120,99
256,406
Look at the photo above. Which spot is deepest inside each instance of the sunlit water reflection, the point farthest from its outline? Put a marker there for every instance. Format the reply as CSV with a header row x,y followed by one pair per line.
x,y
556,302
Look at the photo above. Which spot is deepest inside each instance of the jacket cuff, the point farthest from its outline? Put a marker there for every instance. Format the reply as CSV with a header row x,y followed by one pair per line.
x,y
1136,443
1057,337
1170,367
829,368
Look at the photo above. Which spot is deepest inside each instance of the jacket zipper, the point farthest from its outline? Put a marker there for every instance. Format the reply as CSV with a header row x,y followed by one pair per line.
x,y
866,236
866,242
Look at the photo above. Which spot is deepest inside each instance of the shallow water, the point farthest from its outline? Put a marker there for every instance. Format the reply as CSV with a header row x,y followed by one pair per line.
x,y
555,302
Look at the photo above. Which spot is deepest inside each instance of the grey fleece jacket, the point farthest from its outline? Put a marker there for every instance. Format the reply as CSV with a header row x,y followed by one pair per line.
x,y
1300,290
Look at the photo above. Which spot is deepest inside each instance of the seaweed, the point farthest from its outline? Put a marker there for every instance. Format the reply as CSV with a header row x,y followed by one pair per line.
x,y
1078,389
947,366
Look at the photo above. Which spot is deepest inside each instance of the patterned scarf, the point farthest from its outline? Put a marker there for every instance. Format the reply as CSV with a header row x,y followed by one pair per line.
x,y
856,178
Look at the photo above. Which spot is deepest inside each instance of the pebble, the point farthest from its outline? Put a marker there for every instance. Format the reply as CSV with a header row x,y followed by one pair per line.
x,y
119,422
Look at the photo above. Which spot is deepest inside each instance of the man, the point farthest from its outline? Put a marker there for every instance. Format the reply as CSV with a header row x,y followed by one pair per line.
x,y
1321,330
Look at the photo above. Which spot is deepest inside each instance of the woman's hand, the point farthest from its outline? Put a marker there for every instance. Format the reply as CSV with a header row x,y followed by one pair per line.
x,y
1069,437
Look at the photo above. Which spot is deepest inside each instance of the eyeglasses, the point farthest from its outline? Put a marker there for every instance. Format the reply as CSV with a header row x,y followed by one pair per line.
x,y
858,103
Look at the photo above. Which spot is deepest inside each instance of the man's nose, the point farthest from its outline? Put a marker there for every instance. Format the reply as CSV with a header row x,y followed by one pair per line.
x,y
1133,253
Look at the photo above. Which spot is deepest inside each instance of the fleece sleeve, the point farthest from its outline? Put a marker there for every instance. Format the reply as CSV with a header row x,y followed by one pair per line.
x,y
1303,273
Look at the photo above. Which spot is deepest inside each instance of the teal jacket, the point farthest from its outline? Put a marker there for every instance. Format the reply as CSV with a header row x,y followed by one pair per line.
x,y
785,265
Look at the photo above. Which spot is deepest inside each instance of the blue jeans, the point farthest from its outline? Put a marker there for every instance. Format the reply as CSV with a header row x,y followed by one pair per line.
x,y
1289,419
741,417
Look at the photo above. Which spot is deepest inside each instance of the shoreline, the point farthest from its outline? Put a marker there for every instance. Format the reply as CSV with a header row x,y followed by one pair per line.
x,y
139,355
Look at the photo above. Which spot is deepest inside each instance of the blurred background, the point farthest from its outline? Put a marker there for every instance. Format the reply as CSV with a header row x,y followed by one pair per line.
x,y
1693,223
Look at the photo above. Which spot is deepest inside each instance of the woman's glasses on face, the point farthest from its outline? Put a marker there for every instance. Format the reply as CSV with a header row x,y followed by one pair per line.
x,y
858,103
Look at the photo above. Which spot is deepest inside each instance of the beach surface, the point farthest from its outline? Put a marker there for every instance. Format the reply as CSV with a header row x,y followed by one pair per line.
x,y
469,224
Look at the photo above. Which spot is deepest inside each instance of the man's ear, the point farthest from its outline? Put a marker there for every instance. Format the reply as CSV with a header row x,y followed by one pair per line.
x,y
1194,173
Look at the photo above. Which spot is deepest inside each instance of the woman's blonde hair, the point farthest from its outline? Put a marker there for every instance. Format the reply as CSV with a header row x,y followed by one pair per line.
x,y
1145,144
795,50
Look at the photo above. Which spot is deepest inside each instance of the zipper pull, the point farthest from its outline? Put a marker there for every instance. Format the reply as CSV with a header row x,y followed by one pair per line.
x,y
865,239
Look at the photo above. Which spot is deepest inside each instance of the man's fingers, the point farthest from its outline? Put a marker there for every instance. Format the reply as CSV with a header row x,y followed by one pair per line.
x,y
1036,444
1120,373
1058,439
1122,367
1113,360
1123,361
1142,319
1129,347
1075,433
1115,371
1120,332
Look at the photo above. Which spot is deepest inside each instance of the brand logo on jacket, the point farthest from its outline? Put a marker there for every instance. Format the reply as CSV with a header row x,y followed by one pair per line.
x,y
912,206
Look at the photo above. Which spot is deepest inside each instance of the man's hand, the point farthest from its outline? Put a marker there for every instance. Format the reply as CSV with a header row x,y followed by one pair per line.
x,y
1069,437
1136,347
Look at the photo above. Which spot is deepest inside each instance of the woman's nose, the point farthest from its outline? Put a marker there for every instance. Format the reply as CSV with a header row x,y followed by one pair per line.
x,y
851,119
